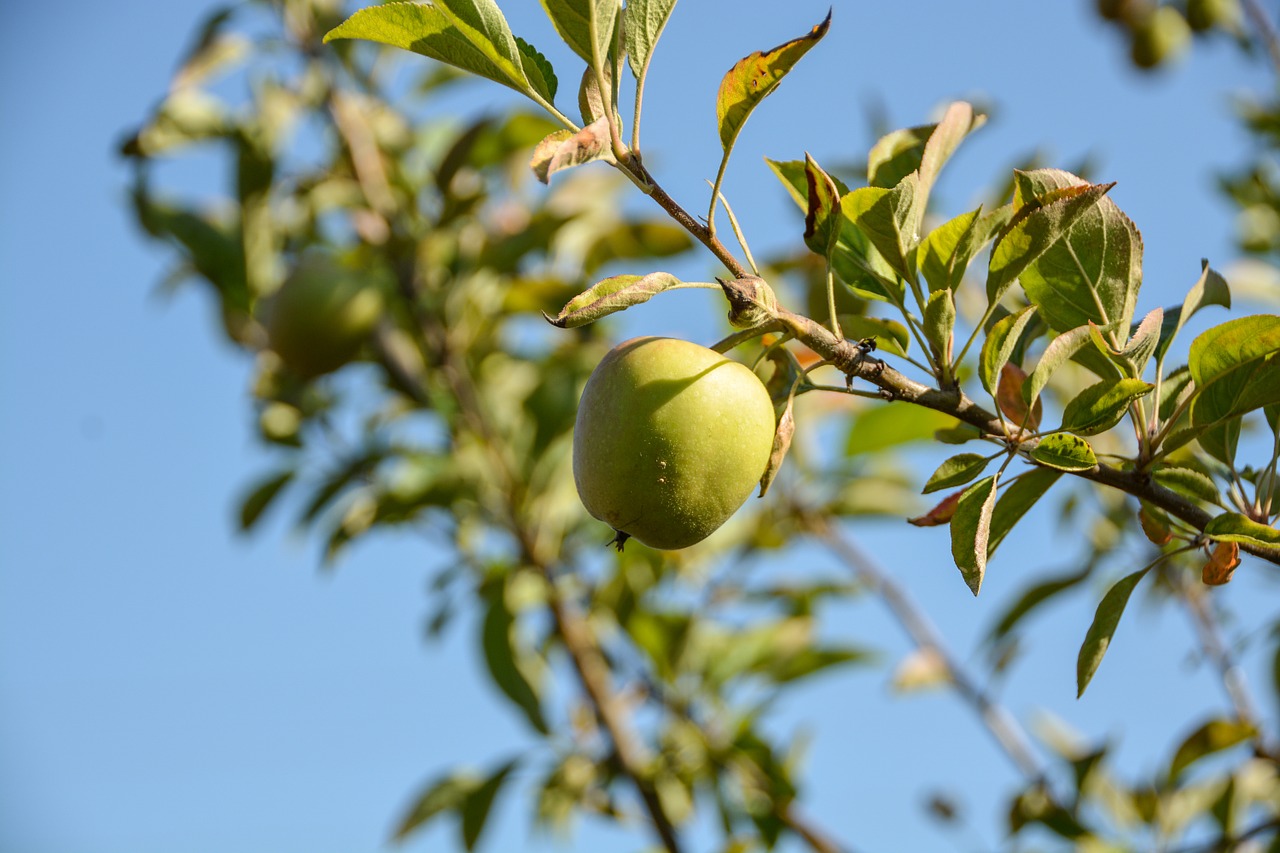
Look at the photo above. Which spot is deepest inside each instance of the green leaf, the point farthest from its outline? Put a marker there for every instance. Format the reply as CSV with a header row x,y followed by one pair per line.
x,y
479,802
1102,405
896,155
564,149
999,346
1214,736
1016,501
822,220
1188,483
958,122
939,324
481,22
1142,343
572,20
1209,289
1093,272
782,436
614,294
891,220
636,239
501,656
1105,620
442,795
538,70
1064,451
1176,386
642,24
970,530
1235,368
1056,354
1233,527
945,253
956,471
882,427
433,31
257,501
1035,228
754,77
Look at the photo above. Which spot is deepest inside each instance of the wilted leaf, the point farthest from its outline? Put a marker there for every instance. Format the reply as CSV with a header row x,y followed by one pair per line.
x,y
1212,737
1012,405
611,295
1154,526
956,471
754,77
1222,564
781,444
1105,620
970,529
1064,451
1102,405
940,514
565,149
822,220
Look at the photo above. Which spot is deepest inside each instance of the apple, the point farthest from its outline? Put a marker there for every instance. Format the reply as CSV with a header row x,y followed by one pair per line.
x,y
670,439
1162,36
321,315
1204,15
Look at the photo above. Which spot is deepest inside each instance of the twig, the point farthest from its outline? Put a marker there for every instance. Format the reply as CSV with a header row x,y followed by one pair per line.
x,y
1225,845
1266,29
1002,725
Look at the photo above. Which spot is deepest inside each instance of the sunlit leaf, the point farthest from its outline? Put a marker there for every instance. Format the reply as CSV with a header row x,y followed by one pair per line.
x,y
970,530
643,22
572,20
891,220
1056,354
1064,451
1105,621
1188,483
945,253
1209,289
1235,368
611,295
1212,737
999,346
565,149
1102,405
754,77
956,471
1234,527
939,322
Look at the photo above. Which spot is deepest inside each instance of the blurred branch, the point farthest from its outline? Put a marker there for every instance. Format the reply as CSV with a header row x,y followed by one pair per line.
x,y
1266,29
1002,725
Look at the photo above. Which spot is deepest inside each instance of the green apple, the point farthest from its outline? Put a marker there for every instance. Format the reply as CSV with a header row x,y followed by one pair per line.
x,y
1204,15
320,317
1160,37
670,439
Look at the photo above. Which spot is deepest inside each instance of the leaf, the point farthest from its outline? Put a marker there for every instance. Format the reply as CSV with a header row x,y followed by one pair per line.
x,y
891,220
440,796
1105,620
1188,483
479,802
958,122
1222,564
481,22
1091,273
781,444
538,70
257,501
941,514
923,669
1234,527
1142,343
892,425
1102,405
939,324
897,154
1212,737
572,20
500,655
1036,228
1235,368
1057,353
970,529
1018,498
564,149
1155,525
1033,597
1064,451
822,220
754,77
944,255
611,295
642,24
433,32
1209,289
956,471
1009,399
999,346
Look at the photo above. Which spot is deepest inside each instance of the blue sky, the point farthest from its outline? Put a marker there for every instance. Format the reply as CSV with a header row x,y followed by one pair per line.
x,y
166,685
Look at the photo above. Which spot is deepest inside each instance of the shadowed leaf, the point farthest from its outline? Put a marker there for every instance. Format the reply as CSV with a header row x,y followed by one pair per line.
x,y
572,20
1056,354
956,471
1010,399
479,802
970,530
1209,289
257,501
781,444
939,324
1016,500
1105,620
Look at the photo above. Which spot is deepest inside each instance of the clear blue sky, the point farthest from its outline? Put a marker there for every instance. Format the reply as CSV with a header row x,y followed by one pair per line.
x,y
168,686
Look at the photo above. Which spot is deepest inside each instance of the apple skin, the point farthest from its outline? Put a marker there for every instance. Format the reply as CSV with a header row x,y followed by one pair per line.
x,y
320,317
1161,37
670,439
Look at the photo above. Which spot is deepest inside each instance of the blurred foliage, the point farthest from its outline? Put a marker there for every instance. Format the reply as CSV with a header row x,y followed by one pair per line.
x,y
451,415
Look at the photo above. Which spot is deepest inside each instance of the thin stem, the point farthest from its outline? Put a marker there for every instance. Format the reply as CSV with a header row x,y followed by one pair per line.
x,y
715,193
1266,29
737,232
1002,725
831,301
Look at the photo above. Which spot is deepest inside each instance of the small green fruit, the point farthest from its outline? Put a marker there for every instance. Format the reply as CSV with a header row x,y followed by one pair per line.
x,y
1205,15
670,439
321,315
1162,36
